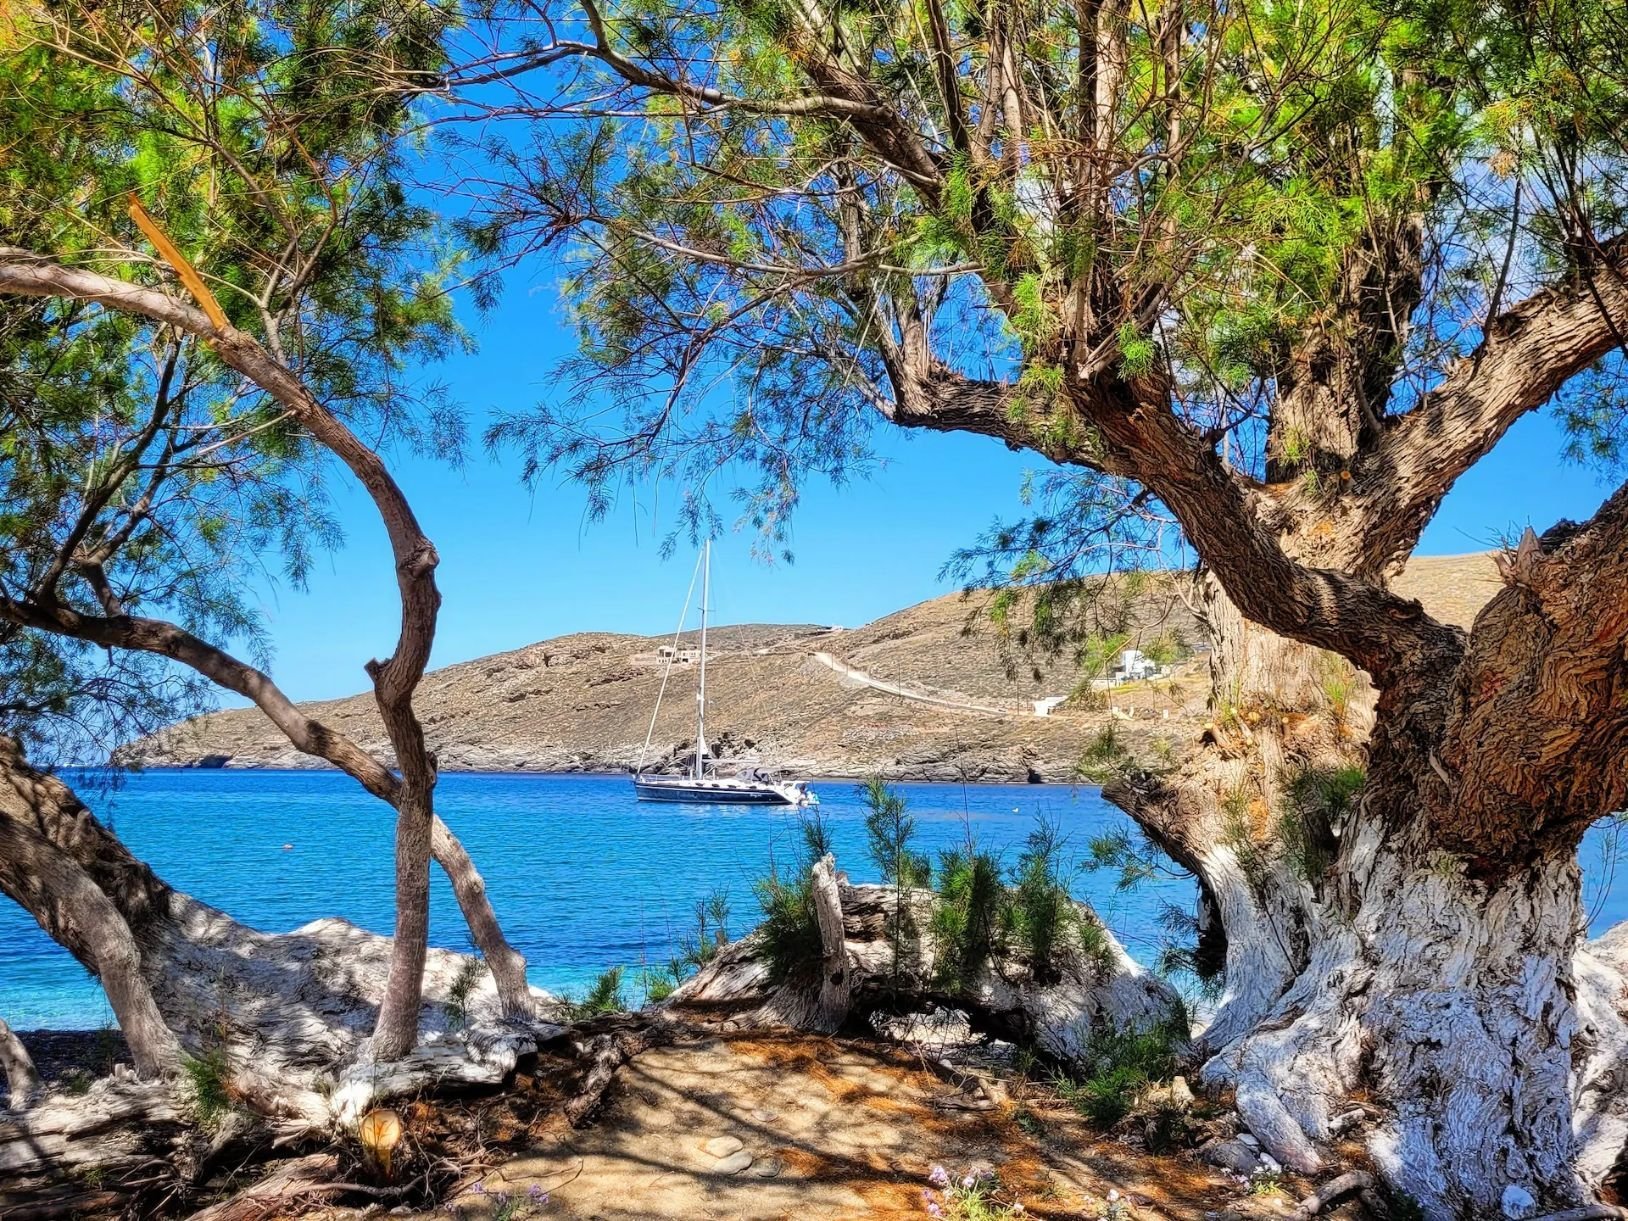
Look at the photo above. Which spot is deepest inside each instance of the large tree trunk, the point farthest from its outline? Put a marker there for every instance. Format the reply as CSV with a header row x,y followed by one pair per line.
x,y
1430,954
1464,1006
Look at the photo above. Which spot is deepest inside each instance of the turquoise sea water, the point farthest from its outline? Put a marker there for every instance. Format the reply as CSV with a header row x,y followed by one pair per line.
x,y
582,876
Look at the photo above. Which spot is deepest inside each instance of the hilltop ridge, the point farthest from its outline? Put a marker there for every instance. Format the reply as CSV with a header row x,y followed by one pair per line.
x,y
924,693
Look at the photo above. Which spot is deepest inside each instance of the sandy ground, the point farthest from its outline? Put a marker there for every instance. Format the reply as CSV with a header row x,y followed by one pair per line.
x,y
768,1128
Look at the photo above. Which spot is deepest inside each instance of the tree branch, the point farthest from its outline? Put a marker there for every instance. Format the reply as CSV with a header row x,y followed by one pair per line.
x,y
1529,352
1537,727
168,640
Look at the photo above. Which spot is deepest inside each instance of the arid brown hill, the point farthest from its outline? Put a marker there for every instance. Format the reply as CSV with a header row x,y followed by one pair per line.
x,y
952,704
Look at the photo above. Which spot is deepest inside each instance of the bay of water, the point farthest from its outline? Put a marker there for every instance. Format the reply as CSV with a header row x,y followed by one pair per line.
x,y
582,876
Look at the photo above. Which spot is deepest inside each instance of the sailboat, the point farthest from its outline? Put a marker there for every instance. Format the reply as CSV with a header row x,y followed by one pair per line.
x,y
747,783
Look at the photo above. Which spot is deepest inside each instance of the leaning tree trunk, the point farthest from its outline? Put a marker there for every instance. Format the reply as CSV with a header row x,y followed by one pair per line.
x,y
285,1014
22,1078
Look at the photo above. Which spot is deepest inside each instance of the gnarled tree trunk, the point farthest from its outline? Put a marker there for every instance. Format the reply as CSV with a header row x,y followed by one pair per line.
x,y
1432,953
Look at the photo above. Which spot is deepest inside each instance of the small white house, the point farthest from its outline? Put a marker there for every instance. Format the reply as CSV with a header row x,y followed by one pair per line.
x,y
1133,664
1046,706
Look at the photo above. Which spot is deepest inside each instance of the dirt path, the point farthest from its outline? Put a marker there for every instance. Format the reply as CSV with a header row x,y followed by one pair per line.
x,y
769,1128
866,679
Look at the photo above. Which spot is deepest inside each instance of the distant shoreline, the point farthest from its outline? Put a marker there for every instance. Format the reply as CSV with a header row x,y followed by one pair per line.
x,y
559,774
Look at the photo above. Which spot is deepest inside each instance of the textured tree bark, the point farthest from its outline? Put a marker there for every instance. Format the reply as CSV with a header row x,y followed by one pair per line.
x,y
22,1078
397,1027
77,913
1437,960
836,981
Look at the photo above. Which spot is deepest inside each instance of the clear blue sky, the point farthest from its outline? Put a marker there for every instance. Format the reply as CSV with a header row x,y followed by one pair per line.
x,y
518,567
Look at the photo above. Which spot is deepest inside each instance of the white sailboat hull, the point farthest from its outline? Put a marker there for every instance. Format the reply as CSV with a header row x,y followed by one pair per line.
x,y
721,790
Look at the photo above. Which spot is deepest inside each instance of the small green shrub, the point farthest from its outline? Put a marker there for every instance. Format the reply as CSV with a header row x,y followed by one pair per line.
x,y
1042,912
209,1075
969,913
658,983
462,988
889,828
605,997
790,928
1121,1064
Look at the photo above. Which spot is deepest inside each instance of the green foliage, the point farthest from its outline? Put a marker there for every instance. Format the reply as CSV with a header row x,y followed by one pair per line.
x,y
977,1195
604,997
790,928
461,989
209,1081
1167,648
1120,1064
1105,756
1042,913
980,912
969,914
1238,832
267,148
889,829
1316,802
1339,682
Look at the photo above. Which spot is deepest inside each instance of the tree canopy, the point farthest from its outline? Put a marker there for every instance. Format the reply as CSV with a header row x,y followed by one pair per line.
x,y
1143,240
142,473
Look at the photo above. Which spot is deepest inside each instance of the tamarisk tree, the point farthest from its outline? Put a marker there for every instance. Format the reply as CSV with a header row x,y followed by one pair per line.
x,y
173,391
1277,275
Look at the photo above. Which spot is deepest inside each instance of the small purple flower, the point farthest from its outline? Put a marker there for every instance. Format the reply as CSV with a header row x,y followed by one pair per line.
x,y
537,1195
478,1189
969,1182
933,1210
940,1177
927,1196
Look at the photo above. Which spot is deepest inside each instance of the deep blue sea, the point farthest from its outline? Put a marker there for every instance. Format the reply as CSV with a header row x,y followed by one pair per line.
x,y
582,876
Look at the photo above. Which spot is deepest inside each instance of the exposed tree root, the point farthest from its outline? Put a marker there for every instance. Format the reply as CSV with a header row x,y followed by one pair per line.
x,y
1335,1189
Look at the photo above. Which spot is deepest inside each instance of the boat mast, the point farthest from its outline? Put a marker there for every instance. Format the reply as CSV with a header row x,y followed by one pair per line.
x,y
701,686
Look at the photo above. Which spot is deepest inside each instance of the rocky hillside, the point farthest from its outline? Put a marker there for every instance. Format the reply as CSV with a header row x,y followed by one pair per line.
x,y
930,692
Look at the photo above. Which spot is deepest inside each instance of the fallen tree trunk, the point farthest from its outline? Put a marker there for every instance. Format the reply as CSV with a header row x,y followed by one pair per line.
x,y
273,1024
1058,1011
92,1153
